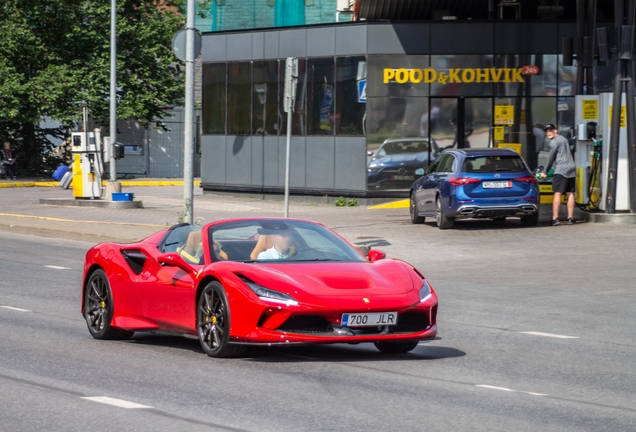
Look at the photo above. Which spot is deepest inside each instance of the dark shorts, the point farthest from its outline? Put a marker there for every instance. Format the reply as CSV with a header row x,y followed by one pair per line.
x,y
563,184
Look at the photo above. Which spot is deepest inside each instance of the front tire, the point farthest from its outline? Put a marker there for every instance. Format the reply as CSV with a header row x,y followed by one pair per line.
x,y
396,347
213,322
99,309
415,218
443,222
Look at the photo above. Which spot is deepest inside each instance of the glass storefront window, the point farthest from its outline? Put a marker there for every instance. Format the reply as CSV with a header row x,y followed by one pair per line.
x,y
350,73
463,75
544,83
395,118
214,99
299,116
398,76
239,94
529,119
321,95
266,114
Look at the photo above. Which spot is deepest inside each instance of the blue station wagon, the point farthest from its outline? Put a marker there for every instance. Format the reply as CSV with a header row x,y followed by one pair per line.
x,y
475,183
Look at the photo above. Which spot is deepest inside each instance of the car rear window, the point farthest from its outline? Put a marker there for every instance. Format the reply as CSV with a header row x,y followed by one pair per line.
x,y
491,164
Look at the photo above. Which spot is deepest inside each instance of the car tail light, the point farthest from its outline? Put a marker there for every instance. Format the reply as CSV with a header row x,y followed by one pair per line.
x,y
529,179
461,181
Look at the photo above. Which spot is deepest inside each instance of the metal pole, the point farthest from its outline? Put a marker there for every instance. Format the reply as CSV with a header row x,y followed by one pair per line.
x,y
188,126
113,88
580,33
288,147
631,114
616,114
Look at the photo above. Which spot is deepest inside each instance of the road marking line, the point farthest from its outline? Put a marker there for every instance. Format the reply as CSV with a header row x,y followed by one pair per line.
x,y
83,221
536,394
116,402
550,335
16,309
57,267
493,387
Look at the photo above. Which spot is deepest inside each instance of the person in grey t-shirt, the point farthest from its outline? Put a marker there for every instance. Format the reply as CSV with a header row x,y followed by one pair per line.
x,y
564,179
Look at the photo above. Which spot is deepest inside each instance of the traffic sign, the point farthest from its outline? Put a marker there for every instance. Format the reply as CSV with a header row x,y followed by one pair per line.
x,y
362,91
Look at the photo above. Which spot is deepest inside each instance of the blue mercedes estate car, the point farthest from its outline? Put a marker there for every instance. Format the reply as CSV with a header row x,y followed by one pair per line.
x,y
476,183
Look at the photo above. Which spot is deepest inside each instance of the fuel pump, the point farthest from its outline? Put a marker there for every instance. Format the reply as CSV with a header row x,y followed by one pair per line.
x,y
87,164
588,152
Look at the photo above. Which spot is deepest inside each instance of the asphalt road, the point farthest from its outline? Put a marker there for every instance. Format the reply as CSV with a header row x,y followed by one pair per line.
x,y
572,286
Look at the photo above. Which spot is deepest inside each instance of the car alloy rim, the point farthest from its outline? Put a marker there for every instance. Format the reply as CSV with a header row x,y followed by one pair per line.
x,y
97,304
212,320
438,209
412,205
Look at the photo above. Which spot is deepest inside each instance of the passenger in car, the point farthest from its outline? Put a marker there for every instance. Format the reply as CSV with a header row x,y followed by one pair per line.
x,y
281,247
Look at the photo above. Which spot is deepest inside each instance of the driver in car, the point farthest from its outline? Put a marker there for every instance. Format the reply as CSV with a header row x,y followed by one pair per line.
x,y
281,248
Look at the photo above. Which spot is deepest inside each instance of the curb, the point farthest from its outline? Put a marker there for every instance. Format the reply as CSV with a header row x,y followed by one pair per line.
x,y
126,183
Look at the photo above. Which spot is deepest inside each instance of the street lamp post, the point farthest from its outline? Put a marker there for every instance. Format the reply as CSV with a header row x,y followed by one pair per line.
x,y
188,133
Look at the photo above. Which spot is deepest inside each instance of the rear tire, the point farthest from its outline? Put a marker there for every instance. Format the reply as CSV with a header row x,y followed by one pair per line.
x,y
415,218
443,222
213,322
396,347
530,220
99,309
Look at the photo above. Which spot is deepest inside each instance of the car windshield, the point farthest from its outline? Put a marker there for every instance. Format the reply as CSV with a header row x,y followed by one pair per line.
x,y
394,148
275,240
491,164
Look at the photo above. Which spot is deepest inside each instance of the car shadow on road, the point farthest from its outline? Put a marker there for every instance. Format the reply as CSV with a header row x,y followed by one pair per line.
x,y
304,353
346,353
485,224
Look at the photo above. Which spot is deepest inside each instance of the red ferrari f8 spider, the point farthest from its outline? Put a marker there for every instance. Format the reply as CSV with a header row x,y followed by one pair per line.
x,y
256,281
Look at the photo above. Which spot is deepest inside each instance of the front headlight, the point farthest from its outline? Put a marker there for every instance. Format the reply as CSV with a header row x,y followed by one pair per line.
x,y
425,291
271,295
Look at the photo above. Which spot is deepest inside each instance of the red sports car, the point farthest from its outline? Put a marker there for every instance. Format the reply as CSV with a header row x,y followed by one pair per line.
x,y
244,282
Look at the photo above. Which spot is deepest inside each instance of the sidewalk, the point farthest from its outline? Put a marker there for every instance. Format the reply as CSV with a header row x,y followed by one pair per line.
x,y
20,211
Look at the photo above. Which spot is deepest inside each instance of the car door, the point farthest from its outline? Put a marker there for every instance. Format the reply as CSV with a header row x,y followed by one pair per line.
x,y
429,185
447,170
168,293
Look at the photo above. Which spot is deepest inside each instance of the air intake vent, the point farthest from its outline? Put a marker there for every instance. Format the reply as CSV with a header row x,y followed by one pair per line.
x,y
306,324
135,259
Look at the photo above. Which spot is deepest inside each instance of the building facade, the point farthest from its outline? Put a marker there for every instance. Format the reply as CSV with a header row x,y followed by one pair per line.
x,y
424,86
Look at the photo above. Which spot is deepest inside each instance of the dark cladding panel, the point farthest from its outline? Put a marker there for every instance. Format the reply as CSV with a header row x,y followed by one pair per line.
x,y
296,162
213,48
415,38
270,161
239,159
239,46
351,40
257,160
526,38
292,43
569,30
351,163
382,39
321,42
462,38
213,159
271,45
258,45
320,162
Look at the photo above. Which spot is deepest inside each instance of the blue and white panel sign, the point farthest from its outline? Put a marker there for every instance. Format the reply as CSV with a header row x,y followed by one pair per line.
x,y
362,91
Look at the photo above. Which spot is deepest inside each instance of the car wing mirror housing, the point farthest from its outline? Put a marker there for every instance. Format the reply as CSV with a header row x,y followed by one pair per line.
x,y
173,259
375,255
419,171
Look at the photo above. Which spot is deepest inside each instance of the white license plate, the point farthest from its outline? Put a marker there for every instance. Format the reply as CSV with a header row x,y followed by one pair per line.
x,y
403,177
369,319
496,184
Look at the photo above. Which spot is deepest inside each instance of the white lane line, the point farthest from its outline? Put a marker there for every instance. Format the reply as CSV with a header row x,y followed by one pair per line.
x,y
508,390
550,335
57,267
116,402
493,387
16,309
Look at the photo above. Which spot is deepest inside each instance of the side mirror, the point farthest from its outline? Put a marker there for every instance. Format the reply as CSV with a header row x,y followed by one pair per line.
x,y
370,153
375,255
173,259
419,171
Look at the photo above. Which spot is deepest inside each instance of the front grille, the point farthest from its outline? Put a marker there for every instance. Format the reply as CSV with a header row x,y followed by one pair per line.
x,y
411,322
306,324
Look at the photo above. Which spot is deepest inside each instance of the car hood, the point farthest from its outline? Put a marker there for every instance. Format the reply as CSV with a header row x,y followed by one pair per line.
x,y
414,158
382,278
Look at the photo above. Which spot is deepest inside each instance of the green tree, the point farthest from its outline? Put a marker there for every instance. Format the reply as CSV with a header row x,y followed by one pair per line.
x,y
55,57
